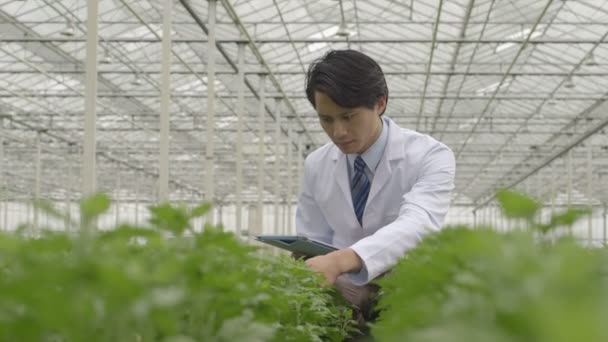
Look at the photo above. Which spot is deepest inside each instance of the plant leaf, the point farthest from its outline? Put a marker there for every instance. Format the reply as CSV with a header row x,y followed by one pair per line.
x,y
517,205
569,217
167,217
200,210
93,206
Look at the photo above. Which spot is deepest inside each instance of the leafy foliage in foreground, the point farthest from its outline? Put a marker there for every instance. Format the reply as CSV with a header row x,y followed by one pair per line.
x,y
466,285
158,283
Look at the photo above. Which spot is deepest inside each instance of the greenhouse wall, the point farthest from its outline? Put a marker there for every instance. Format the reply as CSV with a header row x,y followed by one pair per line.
x,y
590,230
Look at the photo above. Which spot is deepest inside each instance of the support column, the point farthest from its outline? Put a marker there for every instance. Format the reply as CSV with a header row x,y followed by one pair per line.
x,y
5,227
474,219
3,189
117,197
89,166
261,155
277,178
220,214
137,186
289,196
165,103
494,217
68,187
590,192
252,223
29,209
210,147
37,184
555,172
503,226
604,225
284,216
300,161
240,105
569,166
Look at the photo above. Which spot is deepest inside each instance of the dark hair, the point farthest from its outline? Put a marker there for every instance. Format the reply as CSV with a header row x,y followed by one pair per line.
x,y
350,78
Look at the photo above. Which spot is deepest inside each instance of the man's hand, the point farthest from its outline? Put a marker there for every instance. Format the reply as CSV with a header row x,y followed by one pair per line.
x,y
333,264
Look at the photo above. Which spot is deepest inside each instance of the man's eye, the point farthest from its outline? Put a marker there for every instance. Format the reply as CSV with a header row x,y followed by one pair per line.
x,y
327,120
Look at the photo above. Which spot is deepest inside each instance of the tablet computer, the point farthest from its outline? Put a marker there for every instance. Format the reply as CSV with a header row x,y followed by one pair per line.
x,y
298,244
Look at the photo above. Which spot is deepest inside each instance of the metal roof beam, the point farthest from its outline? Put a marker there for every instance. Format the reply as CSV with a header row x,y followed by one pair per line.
x,y
561,41
602,107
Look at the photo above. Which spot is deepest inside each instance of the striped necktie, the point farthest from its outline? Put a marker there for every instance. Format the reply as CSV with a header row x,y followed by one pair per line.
x,y
360,188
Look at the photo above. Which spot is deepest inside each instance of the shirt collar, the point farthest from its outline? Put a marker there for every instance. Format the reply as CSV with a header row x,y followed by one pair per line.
x,y
374,153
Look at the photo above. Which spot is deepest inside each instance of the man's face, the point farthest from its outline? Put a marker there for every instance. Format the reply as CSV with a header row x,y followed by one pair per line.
x,y
353,130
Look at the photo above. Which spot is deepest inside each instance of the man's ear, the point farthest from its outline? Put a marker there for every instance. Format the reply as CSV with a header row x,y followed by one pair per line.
x,y
381,104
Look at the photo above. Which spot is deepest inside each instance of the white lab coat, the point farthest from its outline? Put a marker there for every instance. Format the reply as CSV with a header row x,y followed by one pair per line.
x,y
409,196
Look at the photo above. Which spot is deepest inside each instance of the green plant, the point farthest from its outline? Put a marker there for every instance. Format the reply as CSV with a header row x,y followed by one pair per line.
x,y
159,282
515,205
481,285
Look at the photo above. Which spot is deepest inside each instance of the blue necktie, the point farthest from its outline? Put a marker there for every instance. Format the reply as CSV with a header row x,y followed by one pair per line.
x,y
360,188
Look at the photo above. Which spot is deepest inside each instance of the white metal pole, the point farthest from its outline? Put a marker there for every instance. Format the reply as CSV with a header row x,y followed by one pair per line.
x,y
289,174
117,197
277,155
68,190
252,220
220,213
489,216
485,215
137,186
497,216
300,161
526,186
165,102
569,162
569,167
284,216
240,105
604,223
5,227
90,102
553,189
501,218
555,171
474,219
37,186
209,175
261,156
3,190
29,209
590,191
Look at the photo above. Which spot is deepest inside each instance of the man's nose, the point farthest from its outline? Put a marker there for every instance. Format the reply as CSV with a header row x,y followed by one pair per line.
x,y
340,129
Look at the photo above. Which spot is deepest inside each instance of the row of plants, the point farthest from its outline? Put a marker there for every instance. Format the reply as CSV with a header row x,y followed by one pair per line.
x,y
165,282
159,282
481,285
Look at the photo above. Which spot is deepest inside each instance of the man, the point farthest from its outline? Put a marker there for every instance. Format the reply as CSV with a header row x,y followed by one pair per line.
x,y
376,189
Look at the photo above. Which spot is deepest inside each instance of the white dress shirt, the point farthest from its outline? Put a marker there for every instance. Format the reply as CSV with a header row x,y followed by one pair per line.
x,y
371,157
